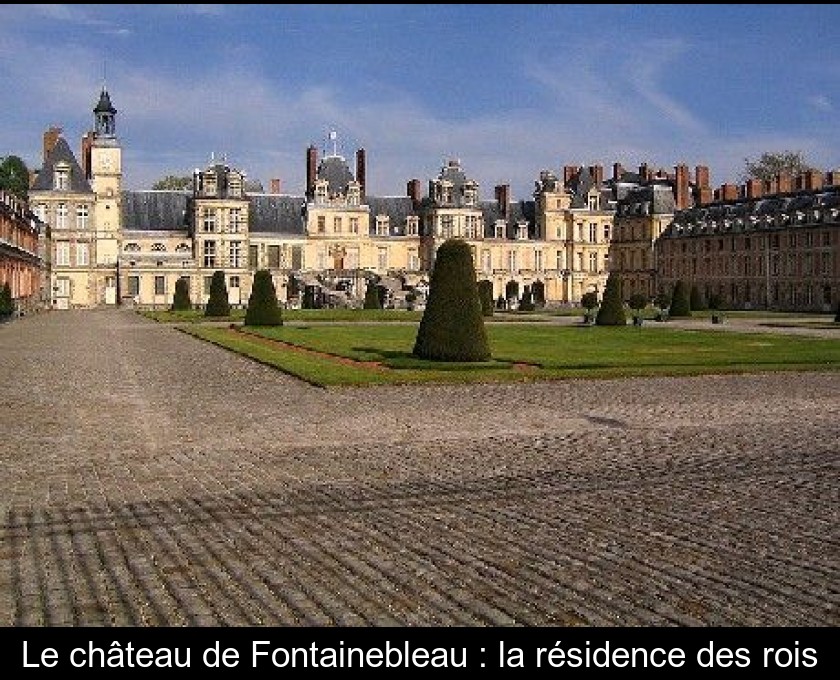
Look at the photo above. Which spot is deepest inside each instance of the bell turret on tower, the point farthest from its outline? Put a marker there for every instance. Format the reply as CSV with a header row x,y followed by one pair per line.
x,y
105,116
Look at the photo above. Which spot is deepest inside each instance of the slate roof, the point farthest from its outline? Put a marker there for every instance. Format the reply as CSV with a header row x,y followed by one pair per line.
x,y
155,210
651,199
61,153
396,207
335,170
277,214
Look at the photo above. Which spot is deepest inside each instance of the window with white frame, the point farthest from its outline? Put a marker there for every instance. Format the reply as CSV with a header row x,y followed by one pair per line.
x,y
62,287
235,254
606,232
236,222
131,248
61,177
234,282
208,220
354,225
522,231
208,284
41,212
512,268
336,225
62,253
382,224
82,212
470,229
413,260
593,232
412,225
160,285
485,261
209,253
82,254
61,216
158,248
538,260
447,225
382,258
593,262
559,260
499,229
322,224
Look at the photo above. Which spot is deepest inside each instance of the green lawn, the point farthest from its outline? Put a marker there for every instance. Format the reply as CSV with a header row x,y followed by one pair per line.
x,y
525,352
197,316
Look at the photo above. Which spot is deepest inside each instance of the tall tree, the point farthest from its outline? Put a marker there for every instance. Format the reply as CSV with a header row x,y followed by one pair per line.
x,y
173,182
771,163
680,300
181,300
452,327
485,294
14,176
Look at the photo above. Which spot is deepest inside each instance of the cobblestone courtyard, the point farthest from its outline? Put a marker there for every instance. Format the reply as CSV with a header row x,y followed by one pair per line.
x,y
152,479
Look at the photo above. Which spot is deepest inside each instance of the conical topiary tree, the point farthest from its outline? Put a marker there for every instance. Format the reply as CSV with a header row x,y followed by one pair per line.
x,y
680,301
696,300
181,300
218,304
538,293
7,305
526,302
452,327
485,295
611,311
263,309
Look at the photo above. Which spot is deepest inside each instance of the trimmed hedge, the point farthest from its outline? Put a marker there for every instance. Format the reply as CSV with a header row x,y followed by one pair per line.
x,y
263,309
696,300
452,327
373,300
7,305
485,295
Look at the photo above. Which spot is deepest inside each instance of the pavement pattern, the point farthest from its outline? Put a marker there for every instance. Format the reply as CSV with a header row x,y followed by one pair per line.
x,y
151,479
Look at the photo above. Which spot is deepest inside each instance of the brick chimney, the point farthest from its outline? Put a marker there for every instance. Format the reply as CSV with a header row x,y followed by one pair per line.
x,y
360,171
503,199
729,192
597,172
50,138
311,170
770,186
701,176
813,180
618,171
569,171
681,187
87,145
275,185
754,188
783,183
413,190
832,178
705,195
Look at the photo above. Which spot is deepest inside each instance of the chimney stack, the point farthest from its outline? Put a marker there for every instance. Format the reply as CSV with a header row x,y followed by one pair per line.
x,y
597,172
360,171
50,138
681,186
569,171
783,183
618,171
728,192
413,189
832,178
813,180
275,185
755,188
311,170
701,176
87,145
503,199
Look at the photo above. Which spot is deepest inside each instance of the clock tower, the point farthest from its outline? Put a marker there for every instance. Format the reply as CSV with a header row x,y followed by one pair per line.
x,y
106,182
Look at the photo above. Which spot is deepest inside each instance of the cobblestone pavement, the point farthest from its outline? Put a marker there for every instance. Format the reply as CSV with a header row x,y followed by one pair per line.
x,y
149,478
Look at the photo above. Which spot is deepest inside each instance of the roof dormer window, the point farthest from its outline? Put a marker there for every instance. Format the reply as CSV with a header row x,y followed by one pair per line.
x,y
61,177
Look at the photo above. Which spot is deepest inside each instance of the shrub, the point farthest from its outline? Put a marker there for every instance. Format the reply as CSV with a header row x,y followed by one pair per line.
x,y
715,301
373,300
837,316
538,292
452,327
696,301
526,302
263,309
7,305
485,295
218,304
589,301
501,303
181,300
512,290
611,312
662,299
680,301
637,302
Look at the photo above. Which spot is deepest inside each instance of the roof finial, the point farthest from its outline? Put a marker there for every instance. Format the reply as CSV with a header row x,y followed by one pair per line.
x,y
333,138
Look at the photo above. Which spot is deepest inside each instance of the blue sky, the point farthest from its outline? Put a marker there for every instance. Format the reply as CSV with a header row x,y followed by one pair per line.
x,y
510,90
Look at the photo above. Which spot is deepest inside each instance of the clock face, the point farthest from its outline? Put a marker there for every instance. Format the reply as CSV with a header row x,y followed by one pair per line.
x,y
107,162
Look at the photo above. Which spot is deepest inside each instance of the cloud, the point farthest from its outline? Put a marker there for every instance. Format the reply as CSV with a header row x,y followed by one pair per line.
x,y
821,103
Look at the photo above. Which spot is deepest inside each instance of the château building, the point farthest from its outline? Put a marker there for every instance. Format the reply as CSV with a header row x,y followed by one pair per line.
x,y
21,263
764,245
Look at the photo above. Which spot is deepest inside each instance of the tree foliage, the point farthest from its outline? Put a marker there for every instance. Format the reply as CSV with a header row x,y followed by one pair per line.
x,y
589,300
526,302
14,177
173,182
373,300
538,292
611,311
181,299
771,163
218,304
263,308
485,295
452,327
637,302
696,300
680,301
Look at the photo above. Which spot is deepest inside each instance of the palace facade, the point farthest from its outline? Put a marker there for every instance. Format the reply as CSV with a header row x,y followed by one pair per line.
x,y
21,264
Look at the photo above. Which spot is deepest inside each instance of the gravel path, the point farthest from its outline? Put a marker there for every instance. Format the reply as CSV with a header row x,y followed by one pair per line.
x,y
149,478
